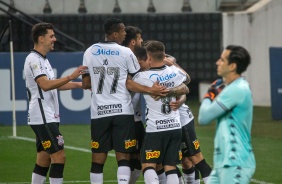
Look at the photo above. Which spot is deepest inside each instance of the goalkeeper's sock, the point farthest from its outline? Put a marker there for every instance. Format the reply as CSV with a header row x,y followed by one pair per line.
x,y
123,172
96,173
56,173
39,174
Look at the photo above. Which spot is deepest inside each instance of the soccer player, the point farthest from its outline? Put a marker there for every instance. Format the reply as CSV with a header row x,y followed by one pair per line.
x,y
234,160
192,158
133,40
43,111
163,128
112,121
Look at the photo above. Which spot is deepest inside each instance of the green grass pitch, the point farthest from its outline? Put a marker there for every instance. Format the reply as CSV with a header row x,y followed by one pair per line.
x,y
17,156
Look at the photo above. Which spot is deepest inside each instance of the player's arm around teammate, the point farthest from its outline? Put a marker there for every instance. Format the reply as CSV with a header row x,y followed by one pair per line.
x,y
112,120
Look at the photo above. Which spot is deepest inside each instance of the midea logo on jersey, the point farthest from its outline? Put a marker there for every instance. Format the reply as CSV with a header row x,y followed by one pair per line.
x,y
156,77
97,50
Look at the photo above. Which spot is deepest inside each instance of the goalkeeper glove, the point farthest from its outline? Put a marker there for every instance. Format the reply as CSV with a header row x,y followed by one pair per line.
x,y
215,88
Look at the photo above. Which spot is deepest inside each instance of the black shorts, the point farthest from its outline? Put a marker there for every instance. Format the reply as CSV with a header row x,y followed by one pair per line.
x,y
113,132
162,147
190,143
48,137
139,134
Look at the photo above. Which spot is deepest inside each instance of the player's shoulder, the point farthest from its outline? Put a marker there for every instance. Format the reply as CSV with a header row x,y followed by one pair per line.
x,y
108,48
138,75
126,50
33,56
141,74
239,84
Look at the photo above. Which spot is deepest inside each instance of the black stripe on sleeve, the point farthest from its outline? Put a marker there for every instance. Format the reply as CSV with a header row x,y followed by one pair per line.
x,y
39,76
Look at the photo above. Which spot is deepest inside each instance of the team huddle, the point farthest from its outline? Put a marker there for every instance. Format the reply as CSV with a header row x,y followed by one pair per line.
x,y
120,71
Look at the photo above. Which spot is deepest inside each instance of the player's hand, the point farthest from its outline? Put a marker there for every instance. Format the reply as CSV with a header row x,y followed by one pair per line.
x,y
175,105
158,90
155,97
215,88
79,71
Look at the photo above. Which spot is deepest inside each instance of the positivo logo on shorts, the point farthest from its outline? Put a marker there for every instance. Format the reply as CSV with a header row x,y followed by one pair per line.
x,y
98,50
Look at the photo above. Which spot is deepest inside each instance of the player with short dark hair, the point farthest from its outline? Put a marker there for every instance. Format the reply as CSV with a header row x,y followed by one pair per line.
x,y
133,40
112,118
112,121
43,111
232,107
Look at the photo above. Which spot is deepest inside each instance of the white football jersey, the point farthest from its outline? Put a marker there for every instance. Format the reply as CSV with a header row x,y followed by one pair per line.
x,y
43,106
136,102
159,115
109,64
186,115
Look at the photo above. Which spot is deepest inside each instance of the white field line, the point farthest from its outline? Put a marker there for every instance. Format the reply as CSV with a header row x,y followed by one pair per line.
x,y
89,151
66,182
67,147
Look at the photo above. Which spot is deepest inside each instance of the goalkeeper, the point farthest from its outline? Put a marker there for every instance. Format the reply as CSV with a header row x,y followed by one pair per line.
x,y
234,160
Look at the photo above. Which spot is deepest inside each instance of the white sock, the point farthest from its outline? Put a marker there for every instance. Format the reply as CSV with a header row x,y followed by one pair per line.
x,y
134,176
37,179
172,179
198,181
151,177
181,180
189,178
123,174
162,178
56,180
96,178
205,179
